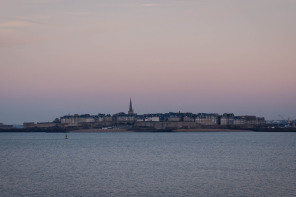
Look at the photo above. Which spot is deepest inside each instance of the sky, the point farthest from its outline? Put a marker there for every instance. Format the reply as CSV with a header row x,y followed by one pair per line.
x,y
60,57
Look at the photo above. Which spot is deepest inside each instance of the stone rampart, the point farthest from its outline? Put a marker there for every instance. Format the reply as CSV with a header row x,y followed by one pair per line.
x,y
166,125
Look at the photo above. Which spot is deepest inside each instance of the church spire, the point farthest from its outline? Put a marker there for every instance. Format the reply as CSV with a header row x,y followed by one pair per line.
x,y
130,111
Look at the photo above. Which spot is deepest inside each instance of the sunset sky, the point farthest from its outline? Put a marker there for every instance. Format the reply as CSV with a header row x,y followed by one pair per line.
x,y
61,57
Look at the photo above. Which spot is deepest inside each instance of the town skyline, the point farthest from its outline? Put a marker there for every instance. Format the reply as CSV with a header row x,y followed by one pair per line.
x,y
60,56
131,112
155,121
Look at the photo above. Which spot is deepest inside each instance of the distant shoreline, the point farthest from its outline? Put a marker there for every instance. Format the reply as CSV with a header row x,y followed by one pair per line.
x,y
156,130
63,130
212,130
98,130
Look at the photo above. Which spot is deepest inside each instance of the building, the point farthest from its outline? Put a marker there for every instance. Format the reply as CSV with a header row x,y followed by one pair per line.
x,y
28,125
140,118
227,119
123,117
3,126
261,121
152,119
248,120
104,118
188,119
238,120
206,119
130,111
173,118
76,119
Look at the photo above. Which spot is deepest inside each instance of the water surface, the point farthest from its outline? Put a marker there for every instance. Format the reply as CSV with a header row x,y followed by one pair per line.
x,y
148,164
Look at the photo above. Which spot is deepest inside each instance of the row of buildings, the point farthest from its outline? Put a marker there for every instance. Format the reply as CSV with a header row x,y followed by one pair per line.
x,y
4,126
131,118
200,118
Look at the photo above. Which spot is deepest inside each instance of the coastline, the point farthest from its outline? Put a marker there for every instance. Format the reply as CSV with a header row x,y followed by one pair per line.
x,y
212,130
139,129
98,130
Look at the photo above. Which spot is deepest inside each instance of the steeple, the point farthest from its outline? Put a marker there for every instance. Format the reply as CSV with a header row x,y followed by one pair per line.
x,y
130,111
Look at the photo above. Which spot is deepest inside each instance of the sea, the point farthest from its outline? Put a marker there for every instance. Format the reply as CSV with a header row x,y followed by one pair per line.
x,y
148,164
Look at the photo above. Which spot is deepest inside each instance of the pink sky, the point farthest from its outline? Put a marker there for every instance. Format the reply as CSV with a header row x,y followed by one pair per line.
x,y
72,56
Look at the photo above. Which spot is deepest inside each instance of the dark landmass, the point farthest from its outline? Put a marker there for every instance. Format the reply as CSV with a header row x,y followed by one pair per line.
x,y
32,130
289,129
148,129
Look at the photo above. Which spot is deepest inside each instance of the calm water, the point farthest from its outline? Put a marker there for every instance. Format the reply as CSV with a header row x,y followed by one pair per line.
x,y
148,164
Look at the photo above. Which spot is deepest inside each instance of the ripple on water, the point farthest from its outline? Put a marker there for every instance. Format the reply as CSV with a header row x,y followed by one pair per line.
x,y
148,164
